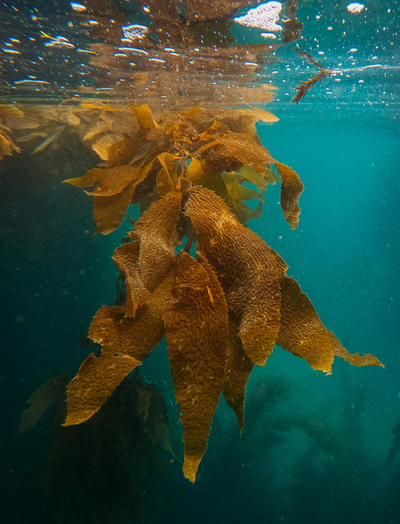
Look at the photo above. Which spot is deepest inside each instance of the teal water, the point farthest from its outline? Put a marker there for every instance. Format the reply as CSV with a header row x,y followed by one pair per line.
x,y
315,447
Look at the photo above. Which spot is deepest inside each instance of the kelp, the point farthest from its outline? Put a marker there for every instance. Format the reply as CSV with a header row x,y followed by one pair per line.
x,y
41,400
223,300
154,238
94,383
8,112
210,147
108,457
196,330
302,332
7,146
323,437
291,189
238,367
246,268
305,86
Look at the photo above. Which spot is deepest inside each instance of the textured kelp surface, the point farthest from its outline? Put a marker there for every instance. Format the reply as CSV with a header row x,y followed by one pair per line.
x,y
314,448
224,300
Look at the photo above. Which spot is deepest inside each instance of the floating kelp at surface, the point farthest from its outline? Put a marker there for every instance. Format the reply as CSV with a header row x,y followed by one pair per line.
x,y
305,86
203,145
222,310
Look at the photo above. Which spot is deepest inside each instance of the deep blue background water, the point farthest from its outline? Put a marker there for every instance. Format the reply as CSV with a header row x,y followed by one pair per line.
x,y
344,253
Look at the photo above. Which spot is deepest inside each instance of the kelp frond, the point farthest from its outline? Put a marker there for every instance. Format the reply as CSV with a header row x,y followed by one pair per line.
x,y
309,58
305,86
223,305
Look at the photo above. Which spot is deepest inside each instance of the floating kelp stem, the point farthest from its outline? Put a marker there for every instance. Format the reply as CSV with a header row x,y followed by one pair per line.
x,y
305,86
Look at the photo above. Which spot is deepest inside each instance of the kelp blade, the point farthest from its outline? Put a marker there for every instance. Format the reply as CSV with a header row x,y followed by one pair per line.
x,y
238,367
94,383
302,332
147,261
246,268
291,189
196,329
137,336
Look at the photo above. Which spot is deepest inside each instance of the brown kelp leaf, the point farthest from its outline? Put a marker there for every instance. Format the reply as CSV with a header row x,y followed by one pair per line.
x,y
97,129
121,123
41,400
196,329
5,146
121,153
194,170
190,274
216,129
214,182
90,178
144,116
166,177
246,268
291,189
234,116
126,257
159,433
12,110
101,106
239,192
259,114
216,158
243,120
179,131
196,114
302,332
94,383
133,336
224,186
154,414
156,230
71,119
114,180
113,193
103,144
241,123
355,359
246,150
237,371
109,212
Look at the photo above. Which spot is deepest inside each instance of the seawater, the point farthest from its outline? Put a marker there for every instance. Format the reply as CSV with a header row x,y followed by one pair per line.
x,y
314,447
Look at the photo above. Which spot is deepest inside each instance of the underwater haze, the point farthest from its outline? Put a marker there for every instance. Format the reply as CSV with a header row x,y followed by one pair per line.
x,y
316,447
